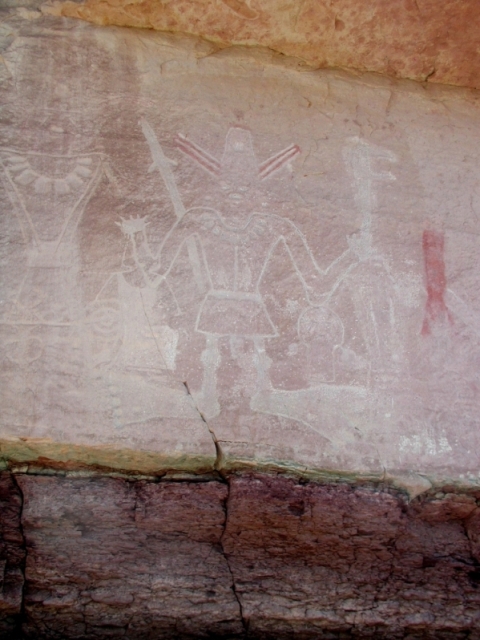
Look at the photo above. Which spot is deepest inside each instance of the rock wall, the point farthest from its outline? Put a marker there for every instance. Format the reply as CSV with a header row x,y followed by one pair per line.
x,y
239,343
212,260
255,557
434,40
12,555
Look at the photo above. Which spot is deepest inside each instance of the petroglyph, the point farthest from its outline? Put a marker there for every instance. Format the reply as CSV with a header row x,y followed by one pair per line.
x,y
375,292
323,332
230,252
43,326
436,310
49,194
238,162
362,159
221,226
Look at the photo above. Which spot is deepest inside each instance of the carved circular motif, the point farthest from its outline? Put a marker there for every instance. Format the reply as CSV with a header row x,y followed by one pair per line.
x,y
104,318
320,324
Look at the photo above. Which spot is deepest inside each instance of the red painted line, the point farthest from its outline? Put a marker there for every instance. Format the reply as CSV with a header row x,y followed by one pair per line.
x,y
436,310
276,161
195,152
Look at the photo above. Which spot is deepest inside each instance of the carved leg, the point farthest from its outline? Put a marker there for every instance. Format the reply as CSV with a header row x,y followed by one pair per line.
x,y
207,399
262,365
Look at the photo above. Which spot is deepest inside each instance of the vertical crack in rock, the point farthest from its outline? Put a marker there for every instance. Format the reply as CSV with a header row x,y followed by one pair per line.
x,y
226,505
21,618
219,453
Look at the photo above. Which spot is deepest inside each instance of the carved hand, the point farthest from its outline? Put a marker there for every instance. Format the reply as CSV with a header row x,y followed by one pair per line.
x,y
132,226
360,244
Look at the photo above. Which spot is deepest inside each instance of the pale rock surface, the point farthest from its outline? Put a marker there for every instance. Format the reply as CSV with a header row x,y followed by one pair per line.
x,y
201,245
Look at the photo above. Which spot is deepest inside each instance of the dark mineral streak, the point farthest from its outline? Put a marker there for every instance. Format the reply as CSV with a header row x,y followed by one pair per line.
x,y
12,556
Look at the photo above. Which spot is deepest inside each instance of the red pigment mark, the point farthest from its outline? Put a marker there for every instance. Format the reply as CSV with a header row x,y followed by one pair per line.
x,y
435,309
198,154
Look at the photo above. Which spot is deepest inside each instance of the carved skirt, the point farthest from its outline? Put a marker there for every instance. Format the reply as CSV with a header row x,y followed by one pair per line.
x,y
235,313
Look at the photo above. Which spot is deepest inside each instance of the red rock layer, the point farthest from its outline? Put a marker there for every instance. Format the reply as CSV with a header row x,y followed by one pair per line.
x,y
136,560
316,561
260,557
436,40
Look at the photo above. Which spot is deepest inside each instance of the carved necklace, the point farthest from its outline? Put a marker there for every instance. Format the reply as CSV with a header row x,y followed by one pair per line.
x,y
213,223
42,184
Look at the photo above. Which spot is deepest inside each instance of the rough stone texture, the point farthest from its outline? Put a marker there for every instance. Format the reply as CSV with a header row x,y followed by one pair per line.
x,y
12,555
201,246
259,557
210,263
109,558
434,40
309,560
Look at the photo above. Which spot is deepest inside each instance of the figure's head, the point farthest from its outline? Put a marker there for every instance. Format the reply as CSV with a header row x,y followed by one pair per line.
x,y
238,166
238,171
133,227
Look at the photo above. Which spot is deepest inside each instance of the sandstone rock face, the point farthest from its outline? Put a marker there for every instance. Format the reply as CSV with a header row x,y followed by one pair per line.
x,y
258,557
112,558
239,342
309,560
212,260
434,40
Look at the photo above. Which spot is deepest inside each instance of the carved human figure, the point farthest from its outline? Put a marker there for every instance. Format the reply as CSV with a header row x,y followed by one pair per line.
x,y
372,287
42,324
49,193
229,253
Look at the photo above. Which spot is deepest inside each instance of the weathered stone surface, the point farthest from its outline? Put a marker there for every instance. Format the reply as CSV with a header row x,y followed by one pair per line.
x,y
202,246
436,40
211,261
310,559
12,555
262,557
109,558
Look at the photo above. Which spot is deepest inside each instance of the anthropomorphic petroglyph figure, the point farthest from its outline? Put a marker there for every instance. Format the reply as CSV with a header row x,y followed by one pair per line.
x,y
229,252
49,193
372,288
42,327
148,343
